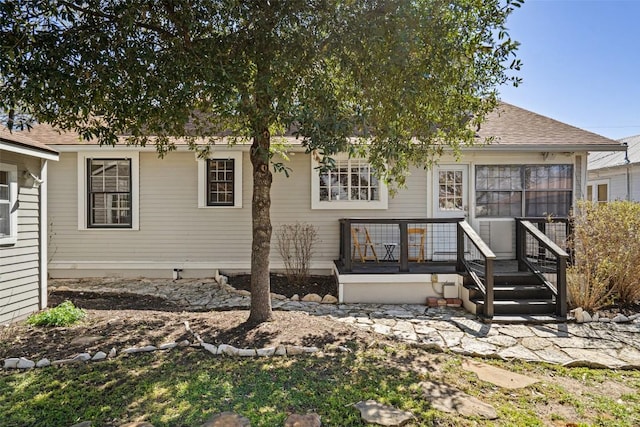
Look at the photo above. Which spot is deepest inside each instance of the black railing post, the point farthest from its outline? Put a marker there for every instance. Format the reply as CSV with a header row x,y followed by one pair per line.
x,y
561,284
488,280
521,242
346,246
404,247
459,248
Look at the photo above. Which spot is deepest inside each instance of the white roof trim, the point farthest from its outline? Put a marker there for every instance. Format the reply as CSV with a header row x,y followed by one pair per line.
x,y
27,151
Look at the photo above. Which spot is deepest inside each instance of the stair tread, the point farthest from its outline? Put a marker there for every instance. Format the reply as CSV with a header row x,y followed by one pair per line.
x,y
525,318
517,302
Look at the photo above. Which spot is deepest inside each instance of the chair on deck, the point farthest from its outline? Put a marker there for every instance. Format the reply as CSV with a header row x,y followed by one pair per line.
x,y
358,241
417,239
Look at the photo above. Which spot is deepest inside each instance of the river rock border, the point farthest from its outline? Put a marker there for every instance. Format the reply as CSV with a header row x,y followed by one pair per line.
x,y
216,350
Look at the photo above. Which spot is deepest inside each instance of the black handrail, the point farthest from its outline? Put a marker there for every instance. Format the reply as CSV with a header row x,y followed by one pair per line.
x,y
477,261
550,259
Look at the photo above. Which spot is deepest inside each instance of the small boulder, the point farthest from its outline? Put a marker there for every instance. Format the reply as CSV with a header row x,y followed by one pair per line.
x,y
11,363
210,348
620,318
246,352
281,351
295,297
293,350
586,317
377,413
43,363
100,355
82,357
112,353
312,298
266,352
227,349
25,363
329,299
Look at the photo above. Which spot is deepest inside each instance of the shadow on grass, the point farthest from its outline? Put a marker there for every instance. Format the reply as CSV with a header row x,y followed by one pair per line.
x,y
184,388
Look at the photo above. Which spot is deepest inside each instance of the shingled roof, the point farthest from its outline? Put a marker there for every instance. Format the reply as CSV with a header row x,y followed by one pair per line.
x,y
511,128
20,139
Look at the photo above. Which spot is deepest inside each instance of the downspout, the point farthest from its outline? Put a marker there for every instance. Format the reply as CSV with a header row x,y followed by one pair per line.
x,y
44,225
628,163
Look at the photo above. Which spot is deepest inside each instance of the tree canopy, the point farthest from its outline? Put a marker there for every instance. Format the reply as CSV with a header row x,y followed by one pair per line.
x,y
395,81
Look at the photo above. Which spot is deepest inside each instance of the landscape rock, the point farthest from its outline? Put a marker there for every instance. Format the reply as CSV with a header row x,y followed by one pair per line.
x,y
243,293
329,299
586,317
377,413
83,424
210,348
167,346
24,363
295,297
312,298
281,351
620,318
246,352
266,352
184,343
144,349
82,357
100,355
578,314
498,376
227,419
43,363
307,420
293,350
278,297
112,353
448,399
11,363
63,362
227,349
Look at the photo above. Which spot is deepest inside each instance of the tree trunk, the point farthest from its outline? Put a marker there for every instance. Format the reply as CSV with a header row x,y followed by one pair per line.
x,y
261,245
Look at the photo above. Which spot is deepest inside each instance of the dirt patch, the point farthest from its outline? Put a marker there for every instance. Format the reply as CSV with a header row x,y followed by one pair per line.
x,y
321,285
126,320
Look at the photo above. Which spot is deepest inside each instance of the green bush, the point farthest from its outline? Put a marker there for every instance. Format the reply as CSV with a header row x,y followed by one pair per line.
x,y
606,254
65,314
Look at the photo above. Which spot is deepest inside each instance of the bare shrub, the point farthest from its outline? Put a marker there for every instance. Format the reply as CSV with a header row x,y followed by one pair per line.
x,y
606,255
295,244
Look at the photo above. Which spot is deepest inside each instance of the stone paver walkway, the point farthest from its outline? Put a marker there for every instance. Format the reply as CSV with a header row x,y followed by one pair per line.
x,y
612,345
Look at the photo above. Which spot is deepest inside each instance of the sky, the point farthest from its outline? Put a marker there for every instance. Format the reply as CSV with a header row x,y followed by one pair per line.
x,y
581,63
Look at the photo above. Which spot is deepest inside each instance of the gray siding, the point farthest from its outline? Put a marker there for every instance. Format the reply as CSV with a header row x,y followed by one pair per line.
x,y
175,233
617,180
19,263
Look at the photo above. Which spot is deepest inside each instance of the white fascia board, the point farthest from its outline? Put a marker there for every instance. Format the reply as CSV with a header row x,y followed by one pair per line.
x,y
33,152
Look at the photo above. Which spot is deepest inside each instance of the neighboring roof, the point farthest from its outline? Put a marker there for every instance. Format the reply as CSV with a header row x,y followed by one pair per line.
x,y
613,159
511,127
18,142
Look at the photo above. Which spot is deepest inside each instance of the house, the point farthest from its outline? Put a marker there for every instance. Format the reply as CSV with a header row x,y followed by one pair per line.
x,y
23,225
122,211
615,175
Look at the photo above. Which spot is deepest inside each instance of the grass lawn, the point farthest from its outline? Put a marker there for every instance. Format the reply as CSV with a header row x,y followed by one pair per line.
x,y
183,388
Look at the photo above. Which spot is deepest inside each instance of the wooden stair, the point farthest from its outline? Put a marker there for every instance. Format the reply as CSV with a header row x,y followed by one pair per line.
x,y
519,297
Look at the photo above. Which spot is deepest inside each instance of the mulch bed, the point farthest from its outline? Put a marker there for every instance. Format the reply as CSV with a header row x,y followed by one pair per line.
x,y
321,285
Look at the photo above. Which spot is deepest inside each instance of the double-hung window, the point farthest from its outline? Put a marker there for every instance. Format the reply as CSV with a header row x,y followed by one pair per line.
x,y
8,204
523,190
351,184
220,180
109,193
598,192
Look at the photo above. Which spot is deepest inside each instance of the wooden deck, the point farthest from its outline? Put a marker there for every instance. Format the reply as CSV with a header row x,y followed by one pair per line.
x,y
428,267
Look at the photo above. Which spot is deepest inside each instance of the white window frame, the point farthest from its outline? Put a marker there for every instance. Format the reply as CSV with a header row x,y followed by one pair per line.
x,y
316,203
12,237
236,156
134,157
594,190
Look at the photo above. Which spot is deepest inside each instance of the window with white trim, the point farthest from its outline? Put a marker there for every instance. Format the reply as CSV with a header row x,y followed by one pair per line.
x,y
598,192
523,190
108,196
351,184
220,180
109,193
8,204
